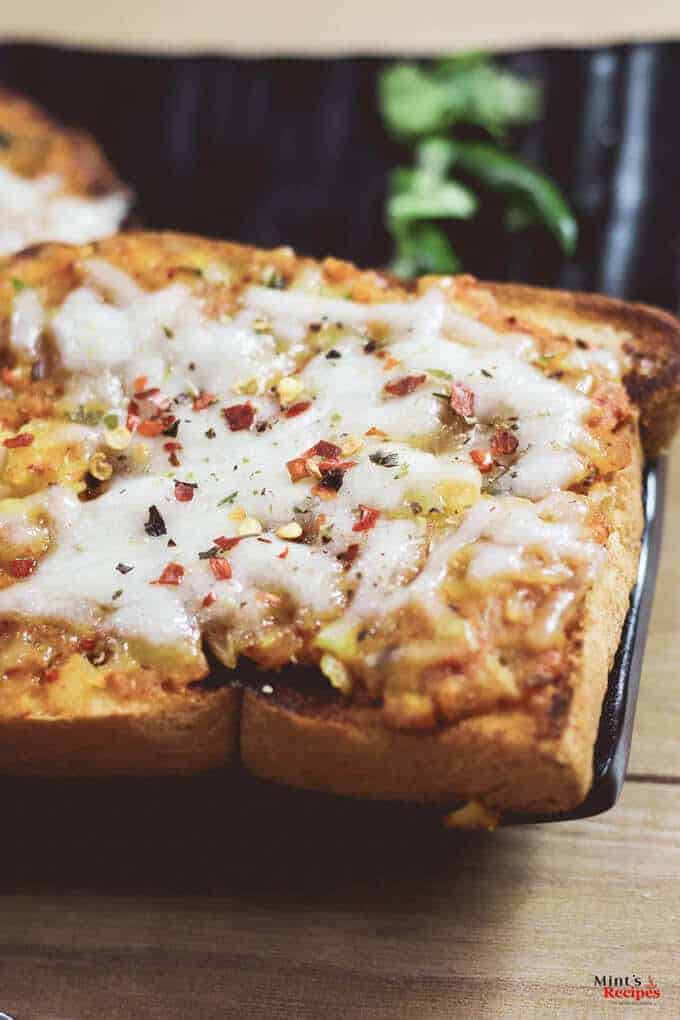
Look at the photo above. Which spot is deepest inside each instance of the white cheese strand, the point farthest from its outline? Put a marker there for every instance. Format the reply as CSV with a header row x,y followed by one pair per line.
x,y
166,337
38,209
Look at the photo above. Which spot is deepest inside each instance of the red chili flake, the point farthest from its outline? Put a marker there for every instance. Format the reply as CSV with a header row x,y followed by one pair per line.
x,y
349,555
203,400
139,384
503,443
172,450
153,394
86,644
482,459
367,518
184,493
297,468
51,676
9,376
224,543
336,465
462,399
209,599
322,449
284,554
22,566
402,387
239,416
220,568
172,574
23,439
150,428
295,409
373,431
133,416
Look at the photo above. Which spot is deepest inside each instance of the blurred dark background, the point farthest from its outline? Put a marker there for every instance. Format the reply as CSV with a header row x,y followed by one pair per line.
x,y
292,151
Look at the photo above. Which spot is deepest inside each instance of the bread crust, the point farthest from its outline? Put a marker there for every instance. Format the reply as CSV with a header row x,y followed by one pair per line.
x,y
181,733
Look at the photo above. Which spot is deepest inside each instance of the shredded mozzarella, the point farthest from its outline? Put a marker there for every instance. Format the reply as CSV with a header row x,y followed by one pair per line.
x,y
109,333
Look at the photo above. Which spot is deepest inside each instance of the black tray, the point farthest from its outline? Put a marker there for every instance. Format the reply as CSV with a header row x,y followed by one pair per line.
x,y
292,151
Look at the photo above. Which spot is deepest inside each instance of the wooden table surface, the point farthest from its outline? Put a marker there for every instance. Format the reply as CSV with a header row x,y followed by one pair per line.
x,y
167,905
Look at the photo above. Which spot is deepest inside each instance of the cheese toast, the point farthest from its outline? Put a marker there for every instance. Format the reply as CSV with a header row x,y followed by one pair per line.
x,y
405,518
55,182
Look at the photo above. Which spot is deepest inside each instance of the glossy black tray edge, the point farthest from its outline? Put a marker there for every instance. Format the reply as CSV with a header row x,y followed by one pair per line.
x,y
612,748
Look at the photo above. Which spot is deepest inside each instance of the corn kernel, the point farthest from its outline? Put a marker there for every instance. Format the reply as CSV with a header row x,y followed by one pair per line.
x,y
289,389
99,467
337,673
118,439
290,531
350,445
248,387
249,526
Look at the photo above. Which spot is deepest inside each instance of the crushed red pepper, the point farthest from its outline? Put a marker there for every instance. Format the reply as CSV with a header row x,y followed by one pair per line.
x,y
295,409
221,568
402,387
15,442
483,460
503,443
172,574
203,400
462,399
22,566
184,491
367,518
239,416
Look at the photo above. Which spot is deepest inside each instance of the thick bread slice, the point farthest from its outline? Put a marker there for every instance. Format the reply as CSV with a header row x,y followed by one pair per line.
x,y
180,733
513,758
508,759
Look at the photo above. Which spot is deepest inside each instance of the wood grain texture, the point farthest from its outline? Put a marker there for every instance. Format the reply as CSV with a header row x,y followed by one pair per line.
x,y
513,925
177,901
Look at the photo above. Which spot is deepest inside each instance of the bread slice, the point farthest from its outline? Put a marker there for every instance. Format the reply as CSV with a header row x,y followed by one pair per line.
x,y
56,184
513,760
432,704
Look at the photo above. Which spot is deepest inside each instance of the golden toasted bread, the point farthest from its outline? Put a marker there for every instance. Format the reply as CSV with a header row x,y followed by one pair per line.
x,y
426,497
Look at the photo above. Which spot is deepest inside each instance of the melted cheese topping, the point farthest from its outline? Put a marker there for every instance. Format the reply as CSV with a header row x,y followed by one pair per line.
x,y
109,333
38,209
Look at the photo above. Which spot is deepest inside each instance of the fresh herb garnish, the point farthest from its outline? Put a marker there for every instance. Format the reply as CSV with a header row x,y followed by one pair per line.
x,y
18,284
172,429
333,354
271,277
228,499
384,459
123,568
209,554
419,104
155,525
117,594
